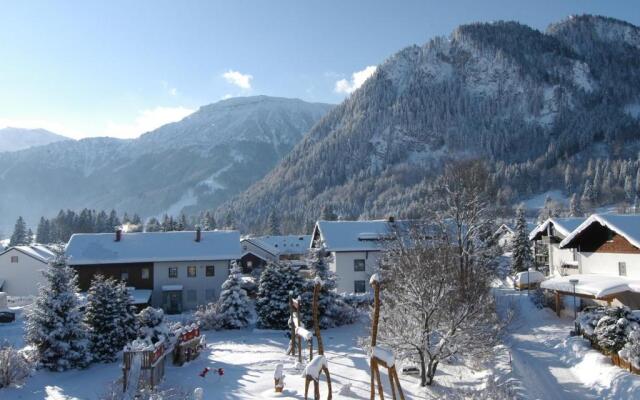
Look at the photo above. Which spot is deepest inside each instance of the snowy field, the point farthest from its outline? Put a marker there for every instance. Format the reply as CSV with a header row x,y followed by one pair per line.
x,y
248,358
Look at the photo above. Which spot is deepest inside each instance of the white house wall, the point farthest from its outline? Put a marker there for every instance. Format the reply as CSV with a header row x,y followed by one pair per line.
x,y
559,257
200,283
21,278
343,267
607,263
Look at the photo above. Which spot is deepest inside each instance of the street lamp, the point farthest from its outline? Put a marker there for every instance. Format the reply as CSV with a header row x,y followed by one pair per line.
x,y
573,283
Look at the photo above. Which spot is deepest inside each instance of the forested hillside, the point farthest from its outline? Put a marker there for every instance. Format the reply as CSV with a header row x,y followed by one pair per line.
x,y
547,110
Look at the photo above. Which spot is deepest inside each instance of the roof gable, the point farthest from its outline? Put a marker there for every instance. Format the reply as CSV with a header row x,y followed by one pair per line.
x,y
627,226
563,226
38,252
353,235
101,248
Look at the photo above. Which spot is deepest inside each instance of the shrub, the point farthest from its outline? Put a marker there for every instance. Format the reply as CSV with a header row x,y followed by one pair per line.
x,y
209,317
15,367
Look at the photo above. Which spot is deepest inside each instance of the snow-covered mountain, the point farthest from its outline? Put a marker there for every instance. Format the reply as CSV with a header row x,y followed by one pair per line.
x,y
532,103
13,139
189,165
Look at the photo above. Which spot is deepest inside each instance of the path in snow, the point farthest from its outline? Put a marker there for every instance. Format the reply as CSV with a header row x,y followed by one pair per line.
x,y
540,350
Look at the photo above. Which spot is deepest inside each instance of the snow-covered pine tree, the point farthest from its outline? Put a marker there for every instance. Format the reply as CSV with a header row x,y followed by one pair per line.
x,y
234,302
43,234
522,257
273,224
102,319
575,206
20,234
126,314
54,324
272,305
333,311
153,225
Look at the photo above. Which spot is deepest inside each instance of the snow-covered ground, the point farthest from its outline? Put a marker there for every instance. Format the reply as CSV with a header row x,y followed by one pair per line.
x,y
248,358
551,365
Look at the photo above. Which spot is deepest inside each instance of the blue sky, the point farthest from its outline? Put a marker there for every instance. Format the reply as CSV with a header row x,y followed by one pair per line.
x,y
119,68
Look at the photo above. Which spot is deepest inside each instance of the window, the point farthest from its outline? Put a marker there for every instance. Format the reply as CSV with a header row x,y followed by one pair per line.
x,y
14,259
210,294
192,296
191,271
173,272
211,270
622,268
145,273
358,265
249,264
359,287
124,276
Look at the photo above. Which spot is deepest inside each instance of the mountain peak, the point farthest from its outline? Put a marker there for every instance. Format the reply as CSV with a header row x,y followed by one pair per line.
x,y
14,139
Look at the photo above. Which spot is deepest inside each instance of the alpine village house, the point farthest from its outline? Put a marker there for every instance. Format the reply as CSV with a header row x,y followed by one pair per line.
x,y
173,270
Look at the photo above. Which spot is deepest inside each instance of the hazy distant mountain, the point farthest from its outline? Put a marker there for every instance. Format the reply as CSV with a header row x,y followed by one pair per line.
x,y
538,106
12,139
189,165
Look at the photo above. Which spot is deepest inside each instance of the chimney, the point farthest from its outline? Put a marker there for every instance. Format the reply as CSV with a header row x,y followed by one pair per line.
x,y
391,219
198,234
118,234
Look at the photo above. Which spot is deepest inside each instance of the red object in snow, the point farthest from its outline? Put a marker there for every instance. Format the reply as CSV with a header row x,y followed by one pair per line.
x,y
204,372
220,371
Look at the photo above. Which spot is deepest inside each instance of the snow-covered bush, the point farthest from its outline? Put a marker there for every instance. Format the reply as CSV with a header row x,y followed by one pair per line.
x,y
15,367
272,304
152,325
209,317
359,301
631,349
54,325
611,329
234,304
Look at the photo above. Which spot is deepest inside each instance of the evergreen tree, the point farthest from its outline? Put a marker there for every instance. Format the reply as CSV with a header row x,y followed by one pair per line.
x,y
575,208
332,310
113,222
208,222
153,225
54,324
101,318
29,236
327,213
588,196
234,302
126,313
272,305
102,223
43,232
522,257
273,224
20,234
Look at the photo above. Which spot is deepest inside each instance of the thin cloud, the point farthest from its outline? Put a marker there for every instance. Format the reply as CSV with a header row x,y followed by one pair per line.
x,y
147,120
357,79
243,81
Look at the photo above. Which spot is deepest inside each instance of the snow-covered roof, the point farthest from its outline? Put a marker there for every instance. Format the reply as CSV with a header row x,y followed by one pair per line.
x,y
564,226
627,226
102,248
598,286
282,244
140,296
171,288
37,251
353,235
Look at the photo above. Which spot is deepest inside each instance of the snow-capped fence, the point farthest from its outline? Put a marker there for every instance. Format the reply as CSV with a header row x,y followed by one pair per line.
x,y
143,364
190,344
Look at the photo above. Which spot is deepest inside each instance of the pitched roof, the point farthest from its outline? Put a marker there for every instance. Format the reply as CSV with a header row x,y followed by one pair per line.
x,y
101,248
282,244
353,235
563,225
598,286
627,226
37,251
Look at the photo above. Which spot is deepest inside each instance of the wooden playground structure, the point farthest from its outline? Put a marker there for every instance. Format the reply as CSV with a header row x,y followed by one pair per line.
x,y
380,356
144,365
318,364
298,331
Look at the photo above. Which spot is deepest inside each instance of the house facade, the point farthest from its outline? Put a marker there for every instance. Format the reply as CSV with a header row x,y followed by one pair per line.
x,y
179,270
21,269
259,251
547,237
355,248
608,260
